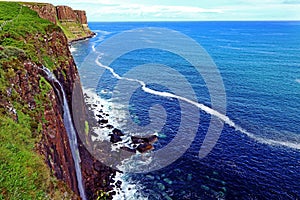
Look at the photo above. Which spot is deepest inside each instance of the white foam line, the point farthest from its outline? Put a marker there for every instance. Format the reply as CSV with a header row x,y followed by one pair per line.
x,y
94,49
206,109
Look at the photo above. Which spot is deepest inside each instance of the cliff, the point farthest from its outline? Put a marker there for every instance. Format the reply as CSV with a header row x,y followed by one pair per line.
x,y
35,156
72,22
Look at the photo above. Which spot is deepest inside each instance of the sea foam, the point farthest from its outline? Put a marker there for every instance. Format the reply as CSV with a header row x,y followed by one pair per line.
x,y
206,109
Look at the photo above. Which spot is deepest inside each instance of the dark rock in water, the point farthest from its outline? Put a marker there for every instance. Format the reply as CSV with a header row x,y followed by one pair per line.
x,y
128,149
93,134
142,148
103,121
109,126
100,116
150,139
137,140
118,183
115,138
118,132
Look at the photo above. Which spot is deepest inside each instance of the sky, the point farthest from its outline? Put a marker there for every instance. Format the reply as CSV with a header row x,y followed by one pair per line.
x,y
184,10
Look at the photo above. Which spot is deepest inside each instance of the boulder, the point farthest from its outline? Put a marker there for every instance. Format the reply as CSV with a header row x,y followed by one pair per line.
x,y
115,138
118,132
103,121
149,139
152,139
144,147
118,184
137,140
109,126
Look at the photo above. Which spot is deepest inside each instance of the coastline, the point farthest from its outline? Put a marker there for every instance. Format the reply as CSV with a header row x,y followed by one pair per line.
x,y
213,176
82,38
102,125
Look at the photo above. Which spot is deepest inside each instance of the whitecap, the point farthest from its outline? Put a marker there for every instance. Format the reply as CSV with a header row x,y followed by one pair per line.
x,y
130,190
230,47
206,109
72,49
102,32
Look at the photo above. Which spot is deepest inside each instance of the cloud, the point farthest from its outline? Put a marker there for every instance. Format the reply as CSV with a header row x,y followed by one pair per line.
x,y
154,9
291,2
144,10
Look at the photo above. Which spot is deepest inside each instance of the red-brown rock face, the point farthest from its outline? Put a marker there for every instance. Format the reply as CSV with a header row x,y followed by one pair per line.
x,y
65,13
75,21
81,15
54,144
46,11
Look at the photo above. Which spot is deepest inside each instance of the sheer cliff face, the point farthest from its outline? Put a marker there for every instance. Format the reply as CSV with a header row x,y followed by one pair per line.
x,y
28,88
29,102
81,15
55,143
65,13
48,46
74,22
46,11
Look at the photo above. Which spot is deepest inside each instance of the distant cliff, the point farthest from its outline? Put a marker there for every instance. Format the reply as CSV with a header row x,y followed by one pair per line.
x,y
72,22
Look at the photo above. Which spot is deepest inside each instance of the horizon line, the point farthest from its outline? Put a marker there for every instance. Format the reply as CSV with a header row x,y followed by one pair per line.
x,y
270,20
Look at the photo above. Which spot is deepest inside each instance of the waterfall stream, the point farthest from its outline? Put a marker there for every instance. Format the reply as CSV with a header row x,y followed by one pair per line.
x,y
69,128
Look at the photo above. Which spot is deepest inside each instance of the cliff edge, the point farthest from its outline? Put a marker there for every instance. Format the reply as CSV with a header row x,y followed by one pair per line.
x,y
72,22
35,156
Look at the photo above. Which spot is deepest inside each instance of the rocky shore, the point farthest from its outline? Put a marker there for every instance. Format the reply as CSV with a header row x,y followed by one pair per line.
x,y
109,136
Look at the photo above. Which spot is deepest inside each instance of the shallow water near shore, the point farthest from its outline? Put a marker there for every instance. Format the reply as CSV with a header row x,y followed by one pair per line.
x,y
259,63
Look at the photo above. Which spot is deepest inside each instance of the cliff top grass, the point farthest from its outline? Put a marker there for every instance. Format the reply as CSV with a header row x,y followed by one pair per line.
x,y
23,173
17,23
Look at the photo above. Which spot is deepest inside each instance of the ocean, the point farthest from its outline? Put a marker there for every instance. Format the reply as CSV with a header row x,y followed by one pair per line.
x,y
249,85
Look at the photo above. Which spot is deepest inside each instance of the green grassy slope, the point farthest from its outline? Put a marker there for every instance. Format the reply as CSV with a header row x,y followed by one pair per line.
x,y
23,173
73,30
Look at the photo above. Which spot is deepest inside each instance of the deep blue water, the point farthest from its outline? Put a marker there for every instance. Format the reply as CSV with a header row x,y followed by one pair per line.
x,y
259,63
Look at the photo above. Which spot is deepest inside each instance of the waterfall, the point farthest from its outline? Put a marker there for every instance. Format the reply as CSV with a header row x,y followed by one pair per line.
x,y
69,128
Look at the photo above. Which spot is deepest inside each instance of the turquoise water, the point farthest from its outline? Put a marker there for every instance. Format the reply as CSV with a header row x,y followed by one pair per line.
x,y
259,63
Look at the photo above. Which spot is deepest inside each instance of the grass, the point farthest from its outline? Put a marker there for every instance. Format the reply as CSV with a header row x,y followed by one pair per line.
x,y
72,30
67,32
24,175
86,127
23,172
22,22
